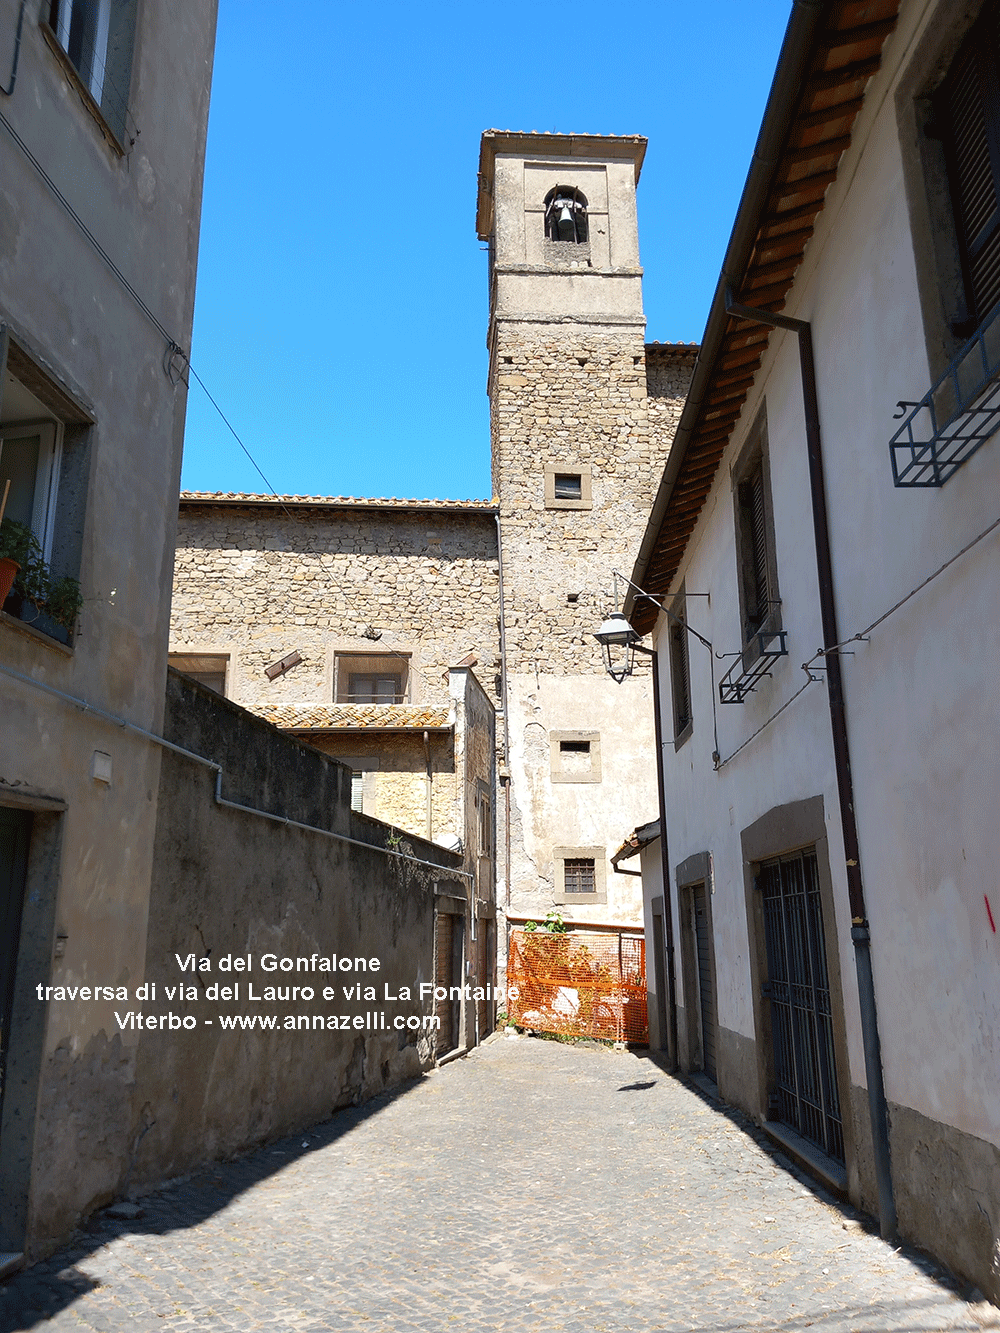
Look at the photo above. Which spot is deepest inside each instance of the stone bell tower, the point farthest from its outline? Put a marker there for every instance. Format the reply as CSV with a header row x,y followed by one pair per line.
x,y
578,448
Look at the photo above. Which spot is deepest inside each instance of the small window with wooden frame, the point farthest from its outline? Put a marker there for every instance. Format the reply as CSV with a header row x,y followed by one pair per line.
x,y
757,572
208,669
372,678
567,486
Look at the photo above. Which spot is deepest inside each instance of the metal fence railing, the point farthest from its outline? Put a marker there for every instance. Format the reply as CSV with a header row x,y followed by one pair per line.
x,y
579,984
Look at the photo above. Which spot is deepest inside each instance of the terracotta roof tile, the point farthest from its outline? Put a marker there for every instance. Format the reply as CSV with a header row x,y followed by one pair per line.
x,y
333,501
329,717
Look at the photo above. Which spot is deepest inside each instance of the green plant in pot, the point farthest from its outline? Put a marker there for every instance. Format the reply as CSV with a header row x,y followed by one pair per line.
x,y
58,599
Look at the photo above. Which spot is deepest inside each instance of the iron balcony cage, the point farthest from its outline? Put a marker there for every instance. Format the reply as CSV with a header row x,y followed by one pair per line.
x,y
957,415
752,665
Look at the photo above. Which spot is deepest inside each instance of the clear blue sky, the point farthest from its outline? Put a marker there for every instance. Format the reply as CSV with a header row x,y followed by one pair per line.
x,y
341,308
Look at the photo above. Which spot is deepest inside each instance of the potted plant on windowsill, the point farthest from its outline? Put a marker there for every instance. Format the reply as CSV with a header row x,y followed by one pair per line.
x,y
59,600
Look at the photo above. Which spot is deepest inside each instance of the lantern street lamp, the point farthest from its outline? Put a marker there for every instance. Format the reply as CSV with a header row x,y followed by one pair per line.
x,y
618,644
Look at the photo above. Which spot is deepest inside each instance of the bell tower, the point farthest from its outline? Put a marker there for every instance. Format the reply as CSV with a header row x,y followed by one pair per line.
x,y
577,454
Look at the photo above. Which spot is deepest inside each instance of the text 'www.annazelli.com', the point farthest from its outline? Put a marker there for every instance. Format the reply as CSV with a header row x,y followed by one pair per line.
x,y
372,1020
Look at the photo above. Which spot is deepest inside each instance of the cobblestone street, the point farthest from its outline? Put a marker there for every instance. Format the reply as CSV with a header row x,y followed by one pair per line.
x,y
532,1186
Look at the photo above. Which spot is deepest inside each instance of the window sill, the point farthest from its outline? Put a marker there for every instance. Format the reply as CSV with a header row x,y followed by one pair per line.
x,y
84,93
581,899
39,636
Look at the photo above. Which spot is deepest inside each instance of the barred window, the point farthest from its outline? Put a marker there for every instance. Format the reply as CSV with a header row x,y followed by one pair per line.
x,y
578,872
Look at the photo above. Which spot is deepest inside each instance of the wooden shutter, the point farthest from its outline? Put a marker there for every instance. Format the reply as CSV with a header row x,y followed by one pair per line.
x,y
969,106
754,552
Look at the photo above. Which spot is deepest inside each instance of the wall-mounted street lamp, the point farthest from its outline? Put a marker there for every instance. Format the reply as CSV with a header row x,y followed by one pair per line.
x,y
619,644
619,641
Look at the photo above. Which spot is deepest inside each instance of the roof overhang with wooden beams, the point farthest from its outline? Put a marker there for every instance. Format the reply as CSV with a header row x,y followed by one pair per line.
x,y
830,52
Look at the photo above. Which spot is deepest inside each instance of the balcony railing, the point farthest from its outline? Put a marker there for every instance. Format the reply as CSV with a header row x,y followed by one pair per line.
x,y
957,415
752,665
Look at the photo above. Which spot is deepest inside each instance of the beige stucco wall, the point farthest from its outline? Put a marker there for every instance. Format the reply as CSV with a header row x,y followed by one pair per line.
x,y
65,1133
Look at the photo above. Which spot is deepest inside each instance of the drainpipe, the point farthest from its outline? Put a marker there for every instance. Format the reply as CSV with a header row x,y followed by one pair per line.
x,y
506,714
860,932
668,909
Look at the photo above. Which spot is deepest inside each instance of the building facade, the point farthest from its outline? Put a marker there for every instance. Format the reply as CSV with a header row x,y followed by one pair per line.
x,y
339,619
582,415
825,941
102,137
366,628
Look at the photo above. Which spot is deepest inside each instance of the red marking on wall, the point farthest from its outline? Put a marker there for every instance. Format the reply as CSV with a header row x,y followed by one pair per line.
x,y
989,913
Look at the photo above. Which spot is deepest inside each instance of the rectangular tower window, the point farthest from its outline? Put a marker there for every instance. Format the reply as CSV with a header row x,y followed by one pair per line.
x,y
568,486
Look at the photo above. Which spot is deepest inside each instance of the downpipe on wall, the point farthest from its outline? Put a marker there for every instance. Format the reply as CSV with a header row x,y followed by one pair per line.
x,y
860,932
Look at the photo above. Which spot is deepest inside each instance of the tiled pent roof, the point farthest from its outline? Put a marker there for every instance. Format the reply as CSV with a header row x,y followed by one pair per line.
x,y
366,717
334,502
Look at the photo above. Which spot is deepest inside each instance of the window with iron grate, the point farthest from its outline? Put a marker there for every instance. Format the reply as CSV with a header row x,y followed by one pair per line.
x,y
578,875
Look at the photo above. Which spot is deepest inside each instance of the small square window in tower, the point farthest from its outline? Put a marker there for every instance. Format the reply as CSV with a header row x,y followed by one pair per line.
x,y
575,756
372,678
567,486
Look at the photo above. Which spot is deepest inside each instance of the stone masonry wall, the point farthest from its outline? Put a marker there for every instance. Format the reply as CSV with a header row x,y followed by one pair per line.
x,y
396,790
259,583
571,395
579,397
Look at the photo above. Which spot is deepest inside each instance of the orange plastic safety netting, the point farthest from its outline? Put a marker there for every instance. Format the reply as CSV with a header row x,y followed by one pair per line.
x,y
578,984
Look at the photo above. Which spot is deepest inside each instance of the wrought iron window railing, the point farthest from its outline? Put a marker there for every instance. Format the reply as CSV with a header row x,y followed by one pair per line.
x,y
958,414
752,665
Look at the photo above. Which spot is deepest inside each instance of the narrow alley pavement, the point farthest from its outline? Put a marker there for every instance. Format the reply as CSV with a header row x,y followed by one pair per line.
x,y
530,1187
